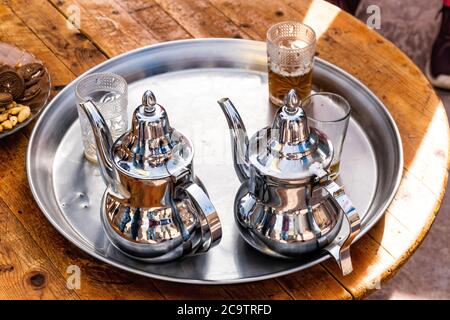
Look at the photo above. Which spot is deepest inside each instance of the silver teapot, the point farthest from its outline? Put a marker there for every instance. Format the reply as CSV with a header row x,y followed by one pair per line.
x,y
154,208
287,205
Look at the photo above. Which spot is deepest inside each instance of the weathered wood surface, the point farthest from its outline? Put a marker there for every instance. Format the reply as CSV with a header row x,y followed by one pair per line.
x,y
34,258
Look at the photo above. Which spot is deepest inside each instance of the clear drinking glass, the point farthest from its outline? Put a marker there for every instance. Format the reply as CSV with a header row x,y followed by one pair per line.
x,y
291,47
109,92
329,113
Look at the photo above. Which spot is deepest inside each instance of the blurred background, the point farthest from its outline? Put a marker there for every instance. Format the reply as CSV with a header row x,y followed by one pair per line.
x,y
412,26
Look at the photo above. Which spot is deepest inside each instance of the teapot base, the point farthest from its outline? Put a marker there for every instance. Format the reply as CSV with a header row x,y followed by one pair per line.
x,y
149,234
262,228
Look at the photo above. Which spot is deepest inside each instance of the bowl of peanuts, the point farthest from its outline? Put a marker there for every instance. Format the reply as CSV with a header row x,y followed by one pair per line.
x,y
24,88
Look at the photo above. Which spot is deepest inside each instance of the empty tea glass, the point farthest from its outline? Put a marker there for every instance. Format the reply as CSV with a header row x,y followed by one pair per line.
x,y
329,113
291,47
109,92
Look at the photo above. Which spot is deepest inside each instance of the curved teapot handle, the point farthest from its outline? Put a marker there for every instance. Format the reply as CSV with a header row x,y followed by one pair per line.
x,y
209,219
341,251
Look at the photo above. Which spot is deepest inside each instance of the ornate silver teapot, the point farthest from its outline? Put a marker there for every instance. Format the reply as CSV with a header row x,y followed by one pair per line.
x,y
154,208
287,205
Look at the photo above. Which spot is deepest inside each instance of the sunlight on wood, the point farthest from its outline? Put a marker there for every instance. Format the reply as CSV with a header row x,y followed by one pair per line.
x,y
320,16
432,148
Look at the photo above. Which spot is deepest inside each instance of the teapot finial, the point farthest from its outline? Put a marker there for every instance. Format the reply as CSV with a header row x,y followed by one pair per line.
x,y
150,142
149,101
290,121
291,101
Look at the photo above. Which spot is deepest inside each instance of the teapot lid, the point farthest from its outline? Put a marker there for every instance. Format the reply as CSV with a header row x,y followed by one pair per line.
x,y
287,150
152,149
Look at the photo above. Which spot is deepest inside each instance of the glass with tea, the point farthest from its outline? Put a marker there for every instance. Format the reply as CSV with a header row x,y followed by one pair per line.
x,y
291,47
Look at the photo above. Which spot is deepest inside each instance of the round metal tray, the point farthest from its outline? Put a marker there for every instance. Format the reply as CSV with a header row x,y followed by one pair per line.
x,y
188,77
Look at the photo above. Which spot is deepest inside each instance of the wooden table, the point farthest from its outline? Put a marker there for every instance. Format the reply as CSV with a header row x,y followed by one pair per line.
x,y
34,257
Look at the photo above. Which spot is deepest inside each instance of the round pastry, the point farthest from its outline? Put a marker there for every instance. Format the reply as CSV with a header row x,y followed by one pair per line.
x,y
31,70
5,67
31,92
5,98
32,81
11,82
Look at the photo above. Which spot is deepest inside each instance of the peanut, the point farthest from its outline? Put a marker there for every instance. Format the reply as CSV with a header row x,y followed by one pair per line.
x,y
11,105
15,110
14,113
23,114
13,119
7,124
3,116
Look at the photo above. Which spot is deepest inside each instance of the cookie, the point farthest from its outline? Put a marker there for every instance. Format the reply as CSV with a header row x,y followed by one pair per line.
x,y
32,81
31,70
11,82
31,92
5,98
5,67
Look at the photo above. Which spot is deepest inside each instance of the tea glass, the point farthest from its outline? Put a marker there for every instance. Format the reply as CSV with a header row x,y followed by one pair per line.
x,y
109,92
291,47
329,113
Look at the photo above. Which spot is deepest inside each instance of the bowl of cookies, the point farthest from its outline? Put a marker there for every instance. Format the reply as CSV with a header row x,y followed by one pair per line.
x,y
24,88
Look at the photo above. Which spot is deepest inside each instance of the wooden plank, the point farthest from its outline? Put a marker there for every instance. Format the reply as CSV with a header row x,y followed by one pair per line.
x,y
267,290
414,205
314,284
255,17
150,15
70,46
431,147
371,266
392,235
113,28
174,291
25,271
201,19
13,31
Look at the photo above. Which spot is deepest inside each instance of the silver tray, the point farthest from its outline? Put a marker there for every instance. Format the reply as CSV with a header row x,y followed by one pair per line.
x,y
188,77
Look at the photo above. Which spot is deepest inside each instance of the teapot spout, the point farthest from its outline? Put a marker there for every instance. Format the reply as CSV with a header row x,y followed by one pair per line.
x,y
239,139
103,141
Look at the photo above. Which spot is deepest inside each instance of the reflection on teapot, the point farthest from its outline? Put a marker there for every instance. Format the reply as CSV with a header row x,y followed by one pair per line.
x,y
287,206
154,207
